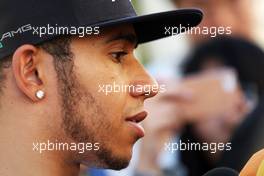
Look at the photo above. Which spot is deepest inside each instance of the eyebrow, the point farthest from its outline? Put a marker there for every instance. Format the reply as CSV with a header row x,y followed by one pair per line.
x,y
130,37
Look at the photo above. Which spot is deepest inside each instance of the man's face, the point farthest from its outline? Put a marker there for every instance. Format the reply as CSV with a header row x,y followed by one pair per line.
x,y
89,115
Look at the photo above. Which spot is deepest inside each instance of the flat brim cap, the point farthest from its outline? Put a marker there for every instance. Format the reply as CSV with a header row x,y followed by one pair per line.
x,y
20,19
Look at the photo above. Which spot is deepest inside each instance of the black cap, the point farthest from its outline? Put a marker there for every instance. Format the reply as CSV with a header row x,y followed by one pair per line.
x,y
18,18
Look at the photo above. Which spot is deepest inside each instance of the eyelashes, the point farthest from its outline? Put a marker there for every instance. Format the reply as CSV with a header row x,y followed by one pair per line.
x,y
118,56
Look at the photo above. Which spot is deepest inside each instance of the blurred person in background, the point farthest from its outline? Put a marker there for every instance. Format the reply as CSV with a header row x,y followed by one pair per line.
x,y
248,61
237,120
238,16
226,15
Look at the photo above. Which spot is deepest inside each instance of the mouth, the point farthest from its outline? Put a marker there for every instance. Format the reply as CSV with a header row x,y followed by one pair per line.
x,y
134,121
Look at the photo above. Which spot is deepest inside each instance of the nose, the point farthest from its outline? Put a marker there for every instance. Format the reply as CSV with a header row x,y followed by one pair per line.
x,y
143,84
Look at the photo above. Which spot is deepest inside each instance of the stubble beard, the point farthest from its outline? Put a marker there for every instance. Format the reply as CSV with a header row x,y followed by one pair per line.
x,y
78,128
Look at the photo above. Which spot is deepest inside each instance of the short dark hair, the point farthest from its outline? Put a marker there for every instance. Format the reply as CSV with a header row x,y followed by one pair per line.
x,y
59,48
4,63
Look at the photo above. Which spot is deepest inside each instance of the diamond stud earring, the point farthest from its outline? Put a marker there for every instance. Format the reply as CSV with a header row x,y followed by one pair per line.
x,y
40,94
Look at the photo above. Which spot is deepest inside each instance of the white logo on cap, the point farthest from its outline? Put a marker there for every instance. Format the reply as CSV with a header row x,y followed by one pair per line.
x,y
12,34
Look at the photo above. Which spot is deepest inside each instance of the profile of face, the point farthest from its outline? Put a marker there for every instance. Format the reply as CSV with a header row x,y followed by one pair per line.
x,y
106,119
75,106
223,13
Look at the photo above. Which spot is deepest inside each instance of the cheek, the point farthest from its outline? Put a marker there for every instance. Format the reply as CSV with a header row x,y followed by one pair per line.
x,y
109,107
95,74
99,81
113,115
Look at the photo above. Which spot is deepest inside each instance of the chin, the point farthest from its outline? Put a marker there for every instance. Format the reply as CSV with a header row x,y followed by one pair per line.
x,y
120,161
115,164
115,159
119,165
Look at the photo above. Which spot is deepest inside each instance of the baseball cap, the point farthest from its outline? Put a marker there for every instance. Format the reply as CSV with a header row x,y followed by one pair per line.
x,y
19,19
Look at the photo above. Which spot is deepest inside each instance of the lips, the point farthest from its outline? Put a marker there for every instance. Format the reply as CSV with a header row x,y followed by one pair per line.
x,y
134,121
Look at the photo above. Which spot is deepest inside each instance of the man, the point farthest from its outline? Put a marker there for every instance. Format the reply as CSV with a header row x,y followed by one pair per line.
x,y
53,97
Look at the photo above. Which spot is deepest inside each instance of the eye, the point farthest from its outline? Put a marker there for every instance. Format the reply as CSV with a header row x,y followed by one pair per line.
x,y
118,56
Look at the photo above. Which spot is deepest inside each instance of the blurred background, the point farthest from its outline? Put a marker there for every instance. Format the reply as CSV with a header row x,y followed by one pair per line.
x,y
170,51
214,92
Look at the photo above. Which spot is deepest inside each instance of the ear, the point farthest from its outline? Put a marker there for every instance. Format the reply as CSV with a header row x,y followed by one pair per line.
x,y
26,69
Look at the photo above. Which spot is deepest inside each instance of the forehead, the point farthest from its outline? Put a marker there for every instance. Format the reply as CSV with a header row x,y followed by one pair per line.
x,y
212,63
111,33
107,33
126,28
121,36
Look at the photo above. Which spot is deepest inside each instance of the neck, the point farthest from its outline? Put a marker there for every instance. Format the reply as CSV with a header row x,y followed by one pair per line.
x,y
17,152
